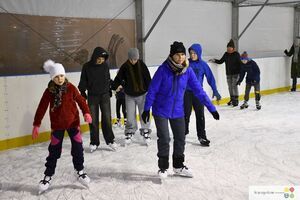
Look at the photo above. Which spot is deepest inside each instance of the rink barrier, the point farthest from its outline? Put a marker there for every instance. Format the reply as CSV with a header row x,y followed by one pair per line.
x,y
45,136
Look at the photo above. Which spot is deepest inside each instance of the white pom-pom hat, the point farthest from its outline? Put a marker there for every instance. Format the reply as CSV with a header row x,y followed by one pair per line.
x,y
54,69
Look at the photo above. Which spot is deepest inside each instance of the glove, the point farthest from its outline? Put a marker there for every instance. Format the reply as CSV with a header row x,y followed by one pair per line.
x,y
83,94
216,115
238,83
217,95
35,132
285,51
146,116
87,118
110,93
212,60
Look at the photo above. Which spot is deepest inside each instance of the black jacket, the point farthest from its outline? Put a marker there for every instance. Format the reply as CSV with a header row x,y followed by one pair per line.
x,y
95,78
134,78
232,62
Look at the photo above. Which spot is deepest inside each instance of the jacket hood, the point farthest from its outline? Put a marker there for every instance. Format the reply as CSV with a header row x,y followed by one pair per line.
x,y
98,52
198,49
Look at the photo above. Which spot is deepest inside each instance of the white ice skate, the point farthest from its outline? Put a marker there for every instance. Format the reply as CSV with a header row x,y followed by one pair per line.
x,y
147,139
44,184
93,148
163,173
113,146
83,178
128,138
183,171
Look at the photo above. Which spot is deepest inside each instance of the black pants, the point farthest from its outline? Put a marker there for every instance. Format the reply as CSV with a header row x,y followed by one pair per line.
x,y
190,100
119,103
256,91
55,148
102,102
294,84
163,141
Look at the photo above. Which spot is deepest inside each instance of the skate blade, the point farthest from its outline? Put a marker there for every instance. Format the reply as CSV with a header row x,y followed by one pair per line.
x,y
184,175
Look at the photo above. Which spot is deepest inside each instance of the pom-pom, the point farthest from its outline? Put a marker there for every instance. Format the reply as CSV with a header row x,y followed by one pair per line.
x,y
48,64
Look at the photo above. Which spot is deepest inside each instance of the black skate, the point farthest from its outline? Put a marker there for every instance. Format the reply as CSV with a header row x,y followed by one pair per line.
x,y
258,106
229,103
244,105
204,142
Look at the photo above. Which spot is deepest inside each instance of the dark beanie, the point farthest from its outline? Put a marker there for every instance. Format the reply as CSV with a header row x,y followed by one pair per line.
x,y
177,47
230,43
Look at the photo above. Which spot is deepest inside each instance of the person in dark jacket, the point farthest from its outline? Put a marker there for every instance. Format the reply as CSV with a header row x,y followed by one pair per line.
x,y
120,102
252,79
166,97
95,78
201,69
233,66
295,68
135,78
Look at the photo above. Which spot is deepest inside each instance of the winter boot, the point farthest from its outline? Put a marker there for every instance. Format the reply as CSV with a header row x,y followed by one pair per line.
x,y
258,106
93,147
183,171
44,184
204,142
128,137
244,105
163,173
83,178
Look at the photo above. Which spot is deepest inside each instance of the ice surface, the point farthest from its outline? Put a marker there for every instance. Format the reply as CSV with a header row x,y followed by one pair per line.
x,y
248,148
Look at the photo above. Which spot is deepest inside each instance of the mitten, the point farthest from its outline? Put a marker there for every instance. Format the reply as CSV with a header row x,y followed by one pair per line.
x,y
87,118
286,51
83,94
35,132
146,116
212,60
217,95
216,115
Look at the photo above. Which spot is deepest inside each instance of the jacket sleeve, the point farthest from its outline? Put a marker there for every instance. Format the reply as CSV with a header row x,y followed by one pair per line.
x,y
291,51
119,79
242,74
257,70
83,83
221,60
42,108
146,74
80,100
210,77
198,91
153,89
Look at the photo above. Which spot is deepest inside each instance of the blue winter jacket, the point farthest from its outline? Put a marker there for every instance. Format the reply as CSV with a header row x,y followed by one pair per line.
x,y
166,92
201,68
252,70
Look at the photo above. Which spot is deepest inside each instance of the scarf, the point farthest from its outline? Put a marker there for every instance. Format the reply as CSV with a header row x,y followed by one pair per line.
x,y
57,91
137,78
178,69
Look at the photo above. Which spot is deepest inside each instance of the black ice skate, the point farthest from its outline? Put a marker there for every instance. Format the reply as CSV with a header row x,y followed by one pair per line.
x,y
258,106
204,142
244,105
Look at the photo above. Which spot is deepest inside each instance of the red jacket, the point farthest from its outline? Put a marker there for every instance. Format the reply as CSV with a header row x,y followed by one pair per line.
x,y
66,115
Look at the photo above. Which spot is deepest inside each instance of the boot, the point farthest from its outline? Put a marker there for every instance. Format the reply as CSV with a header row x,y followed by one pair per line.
x,y
258,106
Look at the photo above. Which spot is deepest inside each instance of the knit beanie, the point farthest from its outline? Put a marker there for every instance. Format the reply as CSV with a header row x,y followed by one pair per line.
x,y
133,53
54,69
230,43
244,56
177,47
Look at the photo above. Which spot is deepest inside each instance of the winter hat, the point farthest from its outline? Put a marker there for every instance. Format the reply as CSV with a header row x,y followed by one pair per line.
x,y
177,47
133,53
244,56
54,69
230,43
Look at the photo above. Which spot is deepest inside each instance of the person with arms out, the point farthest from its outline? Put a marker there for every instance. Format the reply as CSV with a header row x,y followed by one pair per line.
x,y
233,66
250,67
295,68
166,97
95,78
62,97
201,69
135,77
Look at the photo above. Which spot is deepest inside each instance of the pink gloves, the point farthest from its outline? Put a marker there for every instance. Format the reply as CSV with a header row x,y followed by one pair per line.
x,y
35,132
87,118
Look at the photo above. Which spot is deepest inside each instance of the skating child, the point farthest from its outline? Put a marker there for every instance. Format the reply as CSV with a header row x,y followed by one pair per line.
x,y
252,79
61,97
165,96
120,102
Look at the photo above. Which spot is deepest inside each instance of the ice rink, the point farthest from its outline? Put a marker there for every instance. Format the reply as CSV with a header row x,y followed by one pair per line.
x,y
248,148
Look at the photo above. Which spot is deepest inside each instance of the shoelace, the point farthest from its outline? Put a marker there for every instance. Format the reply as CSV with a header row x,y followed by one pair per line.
x,y
82,175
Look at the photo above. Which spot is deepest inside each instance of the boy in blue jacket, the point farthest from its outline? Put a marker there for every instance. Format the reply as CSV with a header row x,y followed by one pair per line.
x,y
201,69
165,96
252,79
